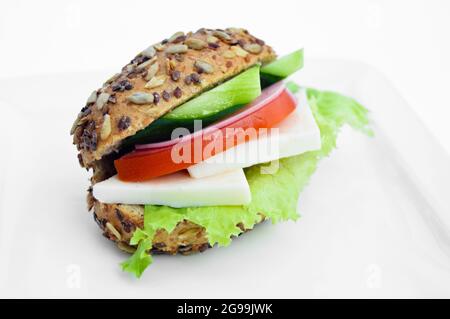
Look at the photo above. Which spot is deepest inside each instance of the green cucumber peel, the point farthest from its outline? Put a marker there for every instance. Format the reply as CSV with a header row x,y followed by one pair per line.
x,y
284,66
241,89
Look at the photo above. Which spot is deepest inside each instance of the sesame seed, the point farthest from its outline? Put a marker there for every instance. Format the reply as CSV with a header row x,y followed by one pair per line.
x,y
175,75
166,95
179,39
156,98
122,86
188,80
112,99
213,45
124,123
259,41
195,78
177,92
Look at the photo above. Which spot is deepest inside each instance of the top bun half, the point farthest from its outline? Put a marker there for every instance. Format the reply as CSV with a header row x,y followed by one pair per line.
x,y
159,79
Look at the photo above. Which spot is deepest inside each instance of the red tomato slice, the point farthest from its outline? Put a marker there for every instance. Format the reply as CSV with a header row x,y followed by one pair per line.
x,y
144,164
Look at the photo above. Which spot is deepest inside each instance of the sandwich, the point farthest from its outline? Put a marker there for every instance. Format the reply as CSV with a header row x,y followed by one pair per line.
x,y
201,137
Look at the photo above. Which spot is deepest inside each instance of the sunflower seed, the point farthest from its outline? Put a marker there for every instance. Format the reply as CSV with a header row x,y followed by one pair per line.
x,y
254,48
149,52
211,39
152,70
106,127
196,44
177,48
204,67
175,36
140,98
76,123
239,51
184,248
155,82
201,31
188,233
146,64
114,231
236,30
159,47
92,98
229,54
126,248
102,100
222,35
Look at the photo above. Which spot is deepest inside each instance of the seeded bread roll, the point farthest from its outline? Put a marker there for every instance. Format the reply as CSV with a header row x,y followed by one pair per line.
x,y
160,78
118,223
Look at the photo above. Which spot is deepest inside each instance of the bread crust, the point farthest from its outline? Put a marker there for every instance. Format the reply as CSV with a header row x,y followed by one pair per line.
x,y
118,223
188,64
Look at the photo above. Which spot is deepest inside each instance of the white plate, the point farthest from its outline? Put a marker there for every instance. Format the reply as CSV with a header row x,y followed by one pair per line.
x,y
375,216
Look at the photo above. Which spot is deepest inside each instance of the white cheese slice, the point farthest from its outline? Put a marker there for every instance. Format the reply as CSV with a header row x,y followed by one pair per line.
x,y
297,134
177,190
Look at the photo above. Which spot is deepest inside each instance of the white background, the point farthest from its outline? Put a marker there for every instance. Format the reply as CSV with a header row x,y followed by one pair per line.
x,y
340,243
409,41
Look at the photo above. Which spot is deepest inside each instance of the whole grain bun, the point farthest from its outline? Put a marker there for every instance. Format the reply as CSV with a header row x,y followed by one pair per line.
x,y
118,223
165,75
158,79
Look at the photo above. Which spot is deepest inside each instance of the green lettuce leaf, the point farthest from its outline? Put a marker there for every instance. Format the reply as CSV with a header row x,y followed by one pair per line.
x,y
274,194
140,259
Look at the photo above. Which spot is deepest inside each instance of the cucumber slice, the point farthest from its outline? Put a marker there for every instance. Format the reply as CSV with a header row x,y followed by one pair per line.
x,y
284,66
268,80
281,68
161,129
240,90
208,107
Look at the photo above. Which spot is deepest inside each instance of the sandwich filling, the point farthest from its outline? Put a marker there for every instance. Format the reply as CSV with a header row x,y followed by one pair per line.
x,y
233,147
235,187
274,195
